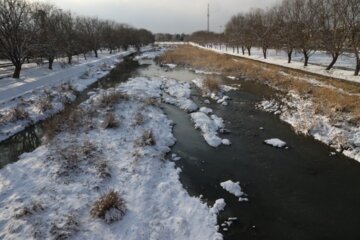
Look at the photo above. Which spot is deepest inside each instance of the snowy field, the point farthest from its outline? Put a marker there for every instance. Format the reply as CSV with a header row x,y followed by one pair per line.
x,y
319,58
54,192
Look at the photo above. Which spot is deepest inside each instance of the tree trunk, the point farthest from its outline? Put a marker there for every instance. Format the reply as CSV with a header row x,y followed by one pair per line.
x,y
357,69
17,71
249,50
111,50
51,61
96,53
306,58
237,48
85,56
69,59
289,53
243,50
264,52
335,57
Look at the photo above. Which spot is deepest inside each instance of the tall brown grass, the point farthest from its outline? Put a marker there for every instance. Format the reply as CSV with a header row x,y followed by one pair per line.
x,y
329,100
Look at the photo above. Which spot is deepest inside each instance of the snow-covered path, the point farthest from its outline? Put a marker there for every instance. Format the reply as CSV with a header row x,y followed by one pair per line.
x,y
281,60
33,79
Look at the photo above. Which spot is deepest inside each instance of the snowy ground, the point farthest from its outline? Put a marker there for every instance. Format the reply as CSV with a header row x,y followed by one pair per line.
x,y
300,112
50,193
320,59
40,93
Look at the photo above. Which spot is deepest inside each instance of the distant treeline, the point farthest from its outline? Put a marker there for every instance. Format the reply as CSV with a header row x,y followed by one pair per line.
x,y
295,25
34,29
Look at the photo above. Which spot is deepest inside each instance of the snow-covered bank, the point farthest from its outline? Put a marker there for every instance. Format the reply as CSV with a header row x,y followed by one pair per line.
x,y
298,65
42,93
50,193
301,113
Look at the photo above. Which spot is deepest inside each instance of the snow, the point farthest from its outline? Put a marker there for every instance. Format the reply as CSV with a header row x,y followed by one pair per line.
x,y
219,96
219,206
317,62
56,88
209,127
275,142
171,65
233,188
178,93
175,157
301,114
226,142
206,110
47,195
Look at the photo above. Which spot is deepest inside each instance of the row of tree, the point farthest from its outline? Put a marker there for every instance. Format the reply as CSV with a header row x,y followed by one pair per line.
x,y
305,26
33,30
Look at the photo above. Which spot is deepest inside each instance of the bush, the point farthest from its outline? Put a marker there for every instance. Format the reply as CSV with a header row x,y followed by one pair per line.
x,y
110,99
44,105
110,207
211,85
110,121
17,113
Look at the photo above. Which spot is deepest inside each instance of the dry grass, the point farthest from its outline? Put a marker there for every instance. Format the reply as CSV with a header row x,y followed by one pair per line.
x,y
327,100
113,98
152,102
110,121
109,207
211,85
16,114
148,138
65,228
32,208
139,119
44,104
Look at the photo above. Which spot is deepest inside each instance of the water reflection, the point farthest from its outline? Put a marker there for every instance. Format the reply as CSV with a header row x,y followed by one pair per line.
x,y
25,141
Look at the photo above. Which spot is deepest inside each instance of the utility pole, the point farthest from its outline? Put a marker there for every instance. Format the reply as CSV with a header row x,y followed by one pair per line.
x,y
208,18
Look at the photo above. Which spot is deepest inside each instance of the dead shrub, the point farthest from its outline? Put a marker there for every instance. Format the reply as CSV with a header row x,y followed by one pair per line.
x,y
110,121
148,138
112,98
44,105
17,113
32,208
103,170
211,85
139,119
110,207
151,102
65,227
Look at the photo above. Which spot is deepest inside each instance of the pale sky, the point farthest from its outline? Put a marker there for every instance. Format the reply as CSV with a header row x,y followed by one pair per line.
x,y
165,16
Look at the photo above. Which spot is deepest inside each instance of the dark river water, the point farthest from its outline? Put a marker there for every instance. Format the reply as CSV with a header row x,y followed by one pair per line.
x,y
297,193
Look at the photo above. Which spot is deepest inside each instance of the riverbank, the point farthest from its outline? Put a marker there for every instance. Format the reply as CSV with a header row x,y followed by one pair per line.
x,y
41,93
333,115
95,179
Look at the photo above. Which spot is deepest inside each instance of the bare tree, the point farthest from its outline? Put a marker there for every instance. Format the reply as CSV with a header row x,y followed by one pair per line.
x,y
286,22
17,32
352,20
332,28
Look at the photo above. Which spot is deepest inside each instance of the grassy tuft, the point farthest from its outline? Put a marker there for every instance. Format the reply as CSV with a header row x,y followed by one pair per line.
x,y
110,207
110,121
